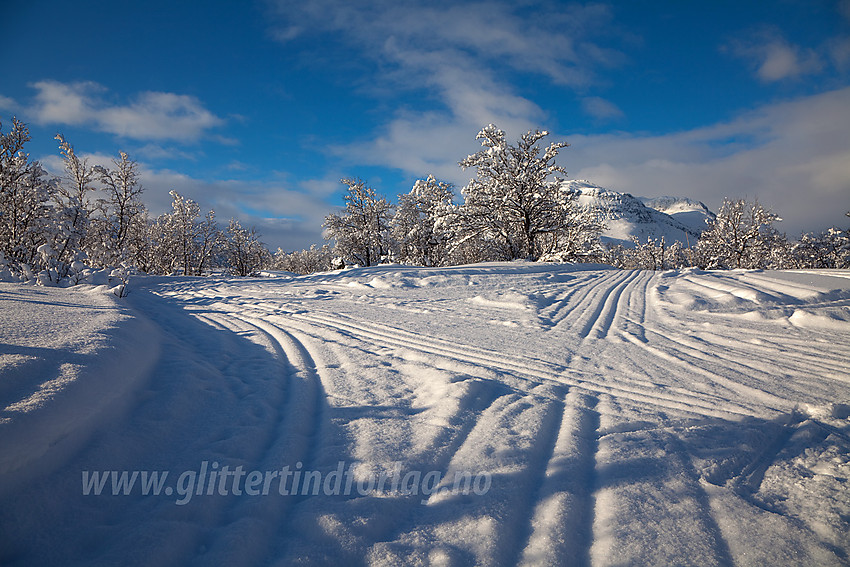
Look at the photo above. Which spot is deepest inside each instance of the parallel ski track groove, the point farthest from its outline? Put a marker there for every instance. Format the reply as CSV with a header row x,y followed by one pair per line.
x,y
291,438
535,369
586,310
569,483
780,405
584,290
301,362
605,315
554,312
791,361
802,360
550,443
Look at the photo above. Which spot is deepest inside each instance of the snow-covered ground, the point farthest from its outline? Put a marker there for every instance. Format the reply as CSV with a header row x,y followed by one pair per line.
x,y
592,416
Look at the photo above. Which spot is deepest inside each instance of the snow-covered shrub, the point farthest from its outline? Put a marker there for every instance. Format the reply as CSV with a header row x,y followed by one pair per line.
x,y
829,249
314,259
741,236
652,254
180,242
244,253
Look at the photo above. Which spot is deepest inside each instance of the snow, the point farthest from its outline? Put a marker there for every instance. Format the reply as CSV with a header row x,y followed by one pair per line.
x,y
693,214
626,217
607,417
67,357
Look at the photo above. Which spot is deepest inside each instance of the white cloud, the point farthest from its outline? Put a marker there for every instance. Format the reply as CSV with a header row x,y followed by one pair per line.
x,y
774,59
159,116
149,116
154,151
782,60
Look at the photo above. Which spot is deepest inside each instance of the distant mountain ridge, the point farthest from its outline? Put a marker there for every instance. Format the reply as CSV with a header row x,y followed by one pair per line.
x,y
625,216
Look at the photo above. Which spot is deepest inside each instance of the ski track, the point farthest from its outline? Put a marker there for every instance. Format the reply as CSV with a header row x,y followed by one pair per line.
x,y
562,523
637,472
570,506
609,306
582,316
586,451
531,371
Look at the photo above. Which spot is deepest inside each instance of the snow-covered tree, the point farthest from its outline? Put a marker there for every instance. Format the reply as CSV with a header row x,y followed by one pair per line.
x,y
27,206
362,231
511,199
829,249
650,255
142,242
741,236
243,251
74,206
576,236
656,254
419,233
181,240
122,210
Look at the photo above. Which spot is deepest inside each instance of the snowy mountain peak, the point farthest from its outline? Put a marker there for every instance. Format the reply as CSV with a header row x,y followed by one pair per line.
x,y
626,216
672,205
691,213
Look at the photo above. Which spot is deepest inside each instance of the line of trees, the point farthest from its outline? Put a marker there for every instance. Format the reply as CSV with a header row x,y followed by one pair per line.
x,y
92,218
514,208
68,229
742,236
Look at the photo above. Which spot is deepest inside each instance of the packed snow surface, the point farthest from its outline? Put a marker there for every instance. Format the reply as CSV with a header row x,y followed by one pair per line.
x,y
597,417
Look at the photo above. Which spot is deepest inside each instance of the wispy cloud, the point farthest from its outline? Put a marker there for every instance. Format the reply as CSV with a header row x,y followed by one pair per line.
x,y
464,56
7,103
542,37
148,116
773,58
601,109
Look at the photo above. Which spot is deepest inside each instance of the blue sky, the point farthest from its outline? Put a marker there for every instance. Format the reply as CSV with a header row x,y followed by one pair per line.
x,y
257,109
